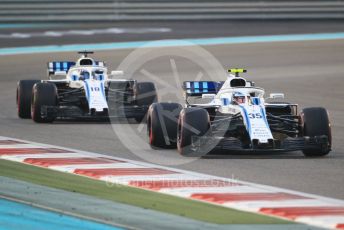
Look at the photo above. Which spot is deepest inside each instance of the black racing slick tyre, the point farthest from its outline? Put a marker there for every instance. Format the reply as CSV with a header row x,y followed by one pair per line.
x,y
315,122
23,99
192,122
44,94
162,123
145,95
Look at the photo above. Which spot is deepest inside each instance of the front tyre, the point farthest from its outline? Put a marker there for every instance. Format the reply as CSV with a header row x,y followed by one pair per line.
x,y
44,94
193,122
23,99
146,94
315,122
162,123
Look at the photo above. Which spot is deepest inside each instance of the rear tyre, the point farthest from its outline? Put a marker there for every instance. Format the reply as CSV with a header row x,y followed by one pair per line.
x,y
162,121
192,122
23,99
44,94
315,122
145,95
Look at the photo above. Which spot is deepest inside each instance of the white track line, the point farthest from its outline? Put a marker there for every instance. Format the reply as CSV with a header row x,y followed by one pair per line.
x,y
71,168
21,158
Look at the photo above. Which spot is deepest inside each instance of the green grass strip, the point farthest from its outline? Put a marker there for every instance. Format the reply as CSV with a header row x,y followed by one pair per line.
x,y
132,196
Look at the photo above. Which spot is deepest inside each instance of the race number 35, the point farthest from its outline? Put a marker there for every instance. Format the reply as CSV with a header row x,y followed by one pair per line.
x,y
255,115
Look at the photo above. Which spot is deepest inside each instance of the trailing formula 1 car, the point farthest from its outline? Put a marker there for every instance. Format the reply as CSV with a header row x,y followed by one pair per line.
x,y
83,90
236,117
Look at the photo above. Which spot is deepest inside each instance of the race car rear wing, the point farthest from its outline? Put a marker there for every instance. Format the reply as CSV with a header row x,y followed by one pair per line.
x,y
59,66
64,66
198,88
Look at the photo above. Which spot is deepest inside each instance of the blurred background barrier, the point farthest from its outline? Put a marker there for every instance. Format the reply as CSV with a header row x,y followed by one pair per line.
x,y
121,10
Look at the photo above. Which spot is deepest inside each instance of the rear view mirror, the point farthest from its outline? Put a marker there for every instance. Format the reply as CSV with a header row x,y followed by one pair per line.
x,y
276,95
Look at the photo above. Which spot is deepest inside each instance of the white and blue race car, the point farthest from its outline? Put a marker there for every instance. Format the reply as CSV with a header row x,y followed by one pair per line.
x,y
83,90
236,117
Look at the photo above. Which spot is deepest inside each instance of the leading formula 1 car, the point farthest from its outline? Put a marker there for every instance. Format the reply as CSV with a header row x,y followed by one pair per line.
x,y
81,90
236,117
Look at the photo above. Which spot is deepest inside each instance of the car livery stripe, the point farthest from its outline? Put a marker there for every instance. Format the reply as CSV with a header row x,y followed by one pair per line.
x,y
196,87
58,66
262,110
230,193
248,123
199,87
87,91
103,89
188,86
256,100
205,87
225,101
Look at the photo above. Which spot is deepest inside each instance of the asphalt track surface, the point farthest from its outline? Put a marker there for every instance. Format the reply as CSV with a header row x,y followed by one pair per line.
x,y
310,73
178,30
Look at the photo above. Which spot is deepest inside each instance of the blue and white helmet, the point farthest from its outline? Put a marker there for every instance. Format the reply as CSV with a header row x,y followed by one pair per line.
x,y
84,75
239,97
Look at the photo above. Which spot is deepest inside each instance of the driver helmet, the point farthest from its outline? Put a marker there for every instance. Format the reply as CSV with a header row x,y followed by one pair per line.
x,y
84,75
239,98
97,74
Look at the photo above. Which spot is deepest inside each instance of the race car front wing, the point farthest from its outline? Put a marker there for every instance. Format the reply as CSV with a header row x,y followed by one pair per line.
x,y
75,112
288,144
